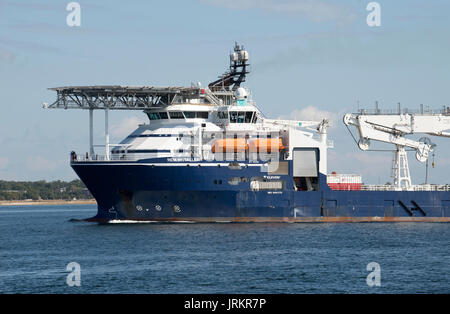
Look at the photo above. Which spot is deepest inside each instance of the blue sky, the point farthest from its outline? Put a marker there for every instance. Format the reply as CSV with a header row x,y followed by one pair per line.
x,y
309,58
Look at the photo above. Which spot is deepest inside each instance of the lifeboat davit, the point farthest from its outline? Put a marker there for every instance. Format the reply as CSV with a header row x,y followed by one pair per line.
x,y
230,145
266,145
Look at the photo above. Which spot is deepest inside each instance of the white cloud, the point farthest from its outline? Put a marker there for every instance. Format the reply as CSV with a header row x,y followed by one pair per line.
x,y
314,114
314,10
126,126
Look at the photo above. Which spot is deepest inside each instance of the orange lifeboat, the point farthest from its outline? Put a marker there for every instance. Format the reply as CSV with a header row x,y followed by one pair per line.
x,y
264,145
230,145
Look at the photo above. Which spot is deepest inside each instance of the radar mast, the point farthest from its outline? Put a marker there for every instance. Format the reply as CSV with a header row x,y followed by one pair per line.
x,y
239,68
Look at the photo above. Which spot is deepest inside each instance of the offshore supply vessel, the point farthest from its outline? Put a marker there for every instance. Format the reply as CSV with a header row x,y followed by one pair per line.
x,y
208,154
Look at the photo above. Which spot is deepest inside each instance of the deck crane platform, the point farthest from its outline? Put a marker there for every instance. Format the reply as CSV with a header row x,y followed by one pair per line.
x,y
393,127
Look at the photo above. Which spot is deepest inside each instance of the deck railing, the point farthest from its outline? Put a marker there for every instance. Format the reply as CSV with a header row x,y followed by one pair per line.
x,y
174,156
425,111
421,187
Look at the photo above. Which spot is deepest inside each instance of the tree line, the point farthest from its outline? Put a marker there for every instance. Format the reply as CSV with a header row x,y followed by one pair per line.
x,y
37,190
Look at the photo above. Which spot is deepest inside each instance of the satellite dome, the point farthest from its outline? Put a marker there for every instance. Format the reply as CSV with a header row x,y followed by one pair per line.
x,y
241,93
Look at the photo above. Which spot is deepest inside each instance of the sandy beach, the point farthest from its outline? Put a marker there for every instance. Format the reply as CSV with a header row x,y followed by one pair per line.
x,y
46,202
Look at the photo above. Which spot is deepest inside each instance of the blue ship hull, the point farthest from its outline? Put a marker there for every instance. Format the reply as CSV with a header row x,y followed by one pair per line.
x,y
179,193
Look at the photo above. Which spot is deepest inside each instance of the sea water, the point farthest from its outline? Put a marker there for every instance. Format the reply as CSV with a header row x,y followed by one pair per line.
x,y
38,242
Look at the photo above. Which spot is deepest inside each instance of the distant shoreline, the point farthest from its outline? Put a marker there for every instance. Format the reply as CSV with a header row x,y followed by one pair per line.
x,y
46,202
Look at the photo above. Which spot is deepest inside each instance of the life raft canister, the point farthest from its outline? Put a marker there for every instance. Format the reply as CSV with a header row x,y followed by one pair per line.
x,y
266,145
230,145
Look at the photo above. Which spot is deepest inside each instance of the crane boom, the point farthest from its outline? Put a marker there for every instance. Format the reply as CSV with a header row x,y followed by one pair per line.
x,y
321,127
392,129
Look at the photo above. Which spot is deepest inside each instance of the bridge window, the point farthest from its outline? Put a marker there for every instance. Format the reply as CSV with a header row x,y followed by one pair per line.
x,y
248,117
196,114
157,115
153,115
202,115
189,114
242,117
233,117
176,115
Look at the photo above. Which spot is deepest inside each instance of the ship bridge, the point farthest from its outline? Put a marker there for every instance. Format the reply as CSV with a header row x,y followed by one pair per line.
x,y
161,104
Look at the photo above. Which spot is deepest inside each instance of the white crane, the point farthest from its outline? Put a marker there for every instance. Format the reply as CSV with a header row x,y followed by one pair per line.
x,y
392,128
321,127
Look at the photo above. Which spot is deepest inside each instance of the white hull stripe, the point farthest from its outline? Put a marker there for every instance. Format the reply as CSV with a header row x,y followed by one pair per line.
x,y
94,163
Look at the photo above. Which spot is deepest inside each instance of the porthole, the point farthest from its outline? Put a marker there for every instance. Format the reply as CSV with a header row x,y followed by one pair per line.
x,y
158,207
